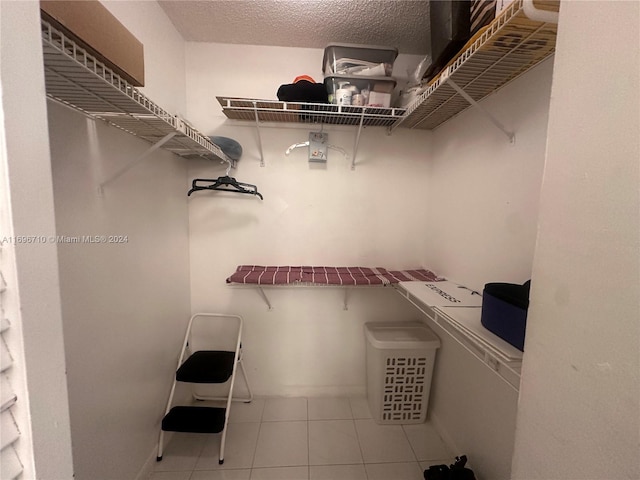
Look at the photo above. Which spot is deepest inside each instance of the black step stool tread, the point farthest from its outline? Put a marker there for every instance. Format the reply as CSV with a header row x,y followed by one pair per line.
x,y
206,367
194,420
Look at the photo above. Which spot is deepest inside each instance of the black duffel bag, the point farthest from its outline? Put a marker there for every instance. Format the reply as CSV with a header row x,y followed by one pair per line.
x,y
457,471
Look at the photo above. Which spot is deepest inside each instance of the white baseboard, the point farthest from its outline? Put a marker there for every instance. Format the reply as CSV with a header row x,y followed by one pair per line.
x,y
446,438
148,466
316,391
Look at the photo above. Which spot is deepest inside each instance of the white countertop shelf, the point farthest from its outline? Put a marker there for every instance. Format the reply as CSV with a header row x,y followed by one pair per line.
x,y
77,79
457,310
297,112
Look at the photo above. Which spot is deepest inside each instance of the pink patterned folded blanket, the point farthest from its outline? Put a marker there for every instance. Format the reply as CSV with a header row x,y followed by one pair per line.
x,y
271,275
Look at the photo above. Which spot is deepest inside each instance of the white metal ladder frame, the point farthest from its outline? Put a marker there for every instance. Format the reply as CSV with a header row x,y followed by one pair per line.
x,y
229,398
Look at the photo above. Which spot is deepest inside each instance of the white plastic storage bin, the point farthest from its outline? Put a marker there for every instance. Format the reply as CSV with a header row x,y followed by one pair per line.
x,y
400,360
360,91
353,59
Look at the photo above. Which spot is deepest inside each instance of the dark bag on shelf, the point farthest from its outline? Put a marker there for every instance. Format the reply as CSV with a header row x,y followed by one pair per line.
x,y
303,91
504,311
450,28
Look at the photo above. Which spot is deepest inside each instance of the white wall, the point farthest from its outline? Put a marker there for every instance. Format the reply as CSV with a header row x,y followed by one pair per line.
x,y
125,305
410,198
34,309
310,215
579,413
481,218
163,51
483,190
473,409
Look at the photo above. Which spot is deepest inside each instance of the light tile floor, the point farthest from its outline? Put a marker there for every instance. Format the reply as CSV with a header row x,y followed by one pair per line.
x,y
305,439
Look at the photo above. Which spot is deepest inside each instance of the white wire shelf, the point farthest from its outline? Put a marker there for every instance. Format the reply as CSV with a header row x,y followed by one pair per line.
x,y
295,112
77,79
505,49
463,324
509,46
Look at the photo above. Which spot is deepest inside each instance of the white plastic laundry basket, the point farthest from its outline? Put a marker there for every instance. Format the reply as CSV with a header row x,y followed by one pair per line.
x,y
400,360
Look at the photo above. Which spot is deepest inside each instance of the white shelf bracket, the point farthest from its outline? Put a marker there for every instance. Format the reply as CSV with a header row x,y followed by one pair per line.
x,y
345,305
510,135
265,298
492,361
255,111
357,141
133,163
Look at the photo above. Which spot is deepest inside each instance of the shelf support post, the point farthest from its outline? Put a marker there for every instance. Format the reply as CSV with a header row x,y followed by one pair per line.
x,y
148,152
357,141
264,297
510,135
255,111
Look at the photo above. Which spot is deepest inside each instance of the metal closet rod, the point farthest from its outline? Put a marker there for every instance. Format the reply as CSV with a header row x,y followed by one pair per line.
x,y
355,146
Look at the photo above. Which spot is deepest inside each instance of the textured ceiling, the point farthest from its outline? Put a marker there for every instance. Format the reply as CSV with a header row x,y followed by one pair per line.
x,y
304,23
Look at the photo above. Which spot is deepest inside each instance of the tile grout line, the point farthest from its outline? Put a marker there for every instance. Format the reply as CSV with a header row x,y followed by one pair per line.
x,y
255,449
191,474
355,427
308,442
413,450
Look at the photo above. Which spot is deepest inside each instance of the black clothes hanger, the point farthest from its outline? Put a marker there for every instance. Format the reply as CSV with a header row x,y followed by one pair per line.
x,y
232,151
227,184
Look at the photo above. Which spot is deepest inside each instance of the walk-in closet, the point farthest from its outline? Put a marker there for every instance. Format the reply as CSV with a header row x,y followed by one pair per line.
x,y
122,217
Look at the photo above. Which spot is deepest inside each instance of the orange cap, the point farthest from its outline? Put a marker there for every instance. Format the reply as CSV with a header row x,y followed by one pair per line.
x,y
303,77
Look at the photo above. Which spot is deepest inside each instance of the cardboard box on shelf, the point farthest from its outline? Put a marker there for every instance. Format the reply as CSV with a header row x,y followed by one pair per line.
x,y
95,28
